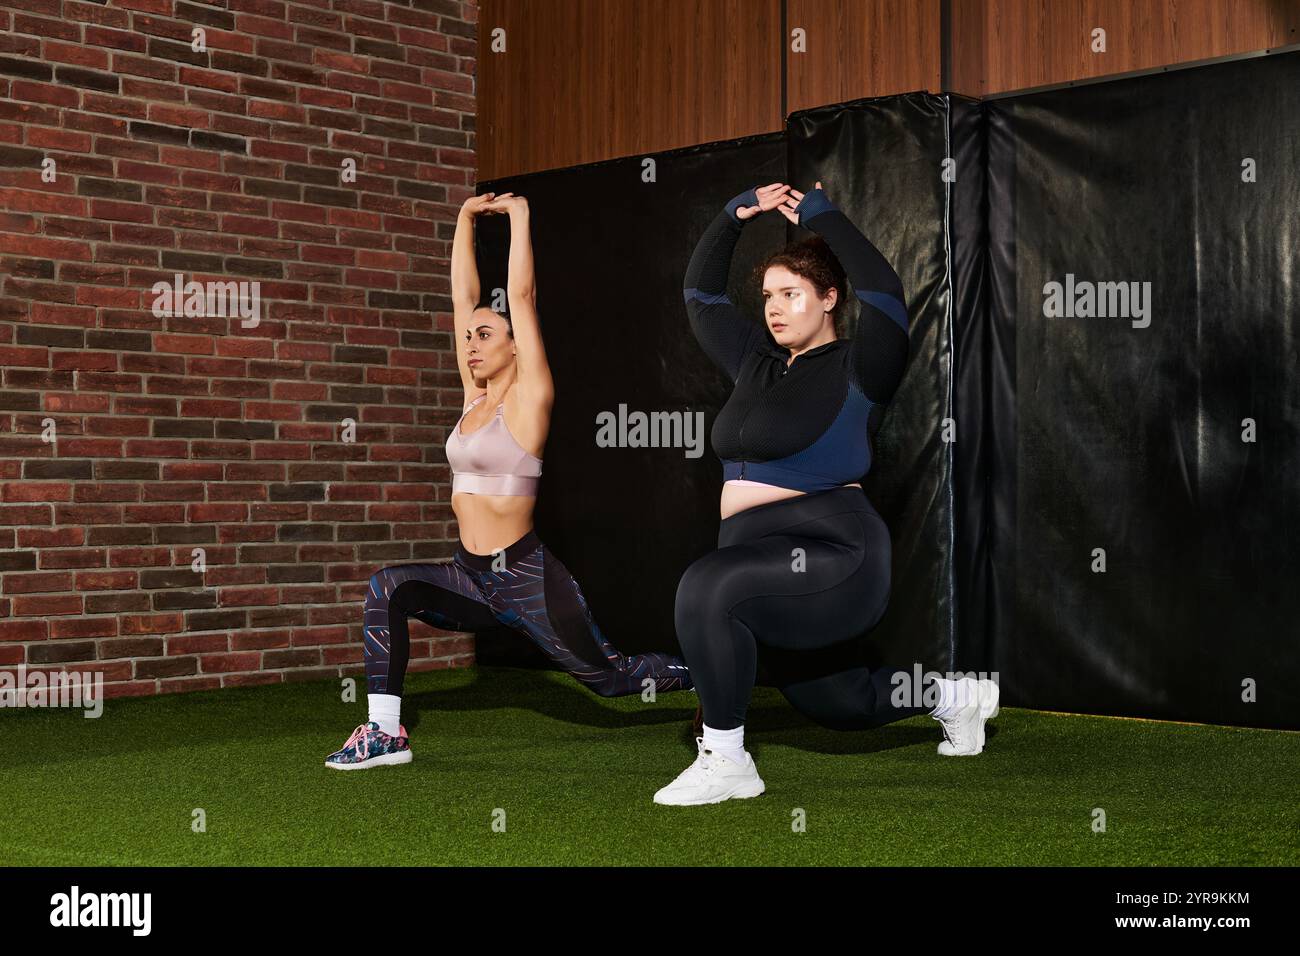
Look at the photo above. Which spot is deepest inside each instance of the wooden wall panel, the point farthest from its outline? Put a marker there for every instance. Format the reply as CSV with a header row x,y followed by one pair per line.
x,y
585,80
1003,45
860,48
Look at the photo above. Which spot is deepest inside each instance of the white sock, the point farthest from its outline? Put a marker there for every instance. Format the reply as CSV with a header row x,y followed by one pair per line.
x,y
729,743
953,696
386,711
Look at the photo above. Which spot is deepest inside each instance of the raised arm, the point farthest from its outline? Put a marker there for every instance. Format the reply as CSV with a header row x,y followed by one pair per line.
x,y
465,289
724,334
878,354
533,380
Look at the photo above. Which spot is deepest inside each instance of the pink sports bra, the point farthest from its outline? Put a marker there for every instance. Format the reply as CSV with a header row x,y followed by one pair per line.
x,y
489,461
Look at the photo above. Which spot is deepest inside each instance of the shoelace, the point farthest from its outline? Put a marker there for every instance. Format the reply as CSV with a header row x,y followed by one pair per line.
x,y
357,735
953,733
702,759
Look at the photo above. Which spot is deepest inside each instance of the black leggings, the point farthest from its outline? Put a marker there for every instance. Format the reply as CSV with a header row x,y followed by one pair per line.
x,y
526,588
803,574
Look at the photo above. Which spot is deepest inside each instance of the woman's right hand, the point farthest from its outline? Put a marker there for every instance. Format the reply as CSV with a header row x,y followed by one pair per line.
x,y
769,198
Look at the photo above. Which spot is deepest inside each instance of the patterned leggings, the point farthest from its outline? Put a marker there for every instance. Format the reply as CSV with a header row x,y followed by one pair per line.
x,y
530,591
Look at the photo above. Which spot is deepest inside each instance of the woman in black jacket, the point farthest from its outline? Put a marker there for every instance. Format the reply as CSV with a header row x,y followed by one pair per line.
x,y
803,559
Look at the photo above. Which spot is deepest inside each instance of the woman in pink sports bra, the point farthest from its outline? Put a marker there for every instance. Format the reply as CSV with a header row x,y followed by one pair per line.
x,y
501,573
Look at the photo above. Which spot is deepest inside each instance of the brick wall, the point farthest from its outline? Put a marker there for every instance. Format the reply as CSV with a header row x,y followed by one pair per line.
x,y
128,440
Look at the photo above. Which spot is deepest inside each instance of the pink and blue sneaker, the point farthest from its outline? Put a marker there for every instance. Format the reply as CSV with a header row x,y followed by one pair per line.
x,y
371,747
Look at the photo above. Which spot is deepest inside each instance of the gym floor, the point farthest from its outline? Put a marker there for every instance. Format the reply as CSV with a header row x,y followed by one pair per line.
x,y
517,766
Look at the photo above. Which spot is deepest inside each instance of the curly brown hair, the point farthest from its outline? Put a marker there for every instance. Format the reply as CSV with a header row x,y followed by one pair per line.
x,y
813,260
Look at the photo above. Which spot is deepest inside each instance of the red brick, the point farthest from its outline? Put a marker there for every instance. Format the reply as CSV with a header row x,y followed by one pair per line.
x,y
301,657
44,93
259,640
176,197
147,173
80,55
220,103
40,26
220,663
408,92
113,298
143,66
20,356
118,212
162,88
20,200
62,315
31,629
31,583
116,39
118,106
225,40
12,43
133,234
178,116
44,248
197,643
183,684
290,152
59,139
163,7
26,113
159,27
50,538
16,223
267,109
192,76
166,667
251,680
271,25
90,12
203,180
83,627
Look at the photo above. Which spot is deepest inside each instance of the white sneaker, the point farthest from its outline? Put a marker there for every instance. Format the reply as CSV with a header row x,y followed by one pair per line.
x,y
712,778
964,730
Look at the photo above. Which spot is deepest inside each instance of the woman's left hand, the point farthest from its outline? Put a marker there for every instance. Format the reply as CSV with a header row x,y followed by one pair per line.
x,y
506,203
789,208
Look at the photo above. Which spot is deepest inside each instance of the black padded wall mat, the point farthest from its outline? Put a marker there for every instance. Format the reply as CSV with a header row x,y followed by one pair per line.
x,y
971,430
1124,434
880,160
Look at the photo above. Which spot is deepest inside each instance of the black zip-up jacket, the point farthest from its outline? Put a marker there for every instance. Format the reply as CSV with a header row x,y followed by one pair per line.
x,y
808,424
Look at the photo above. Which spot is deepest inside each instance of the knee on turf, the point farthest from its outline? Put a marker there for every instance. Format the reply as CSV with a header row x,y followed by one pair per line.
x,y
603,688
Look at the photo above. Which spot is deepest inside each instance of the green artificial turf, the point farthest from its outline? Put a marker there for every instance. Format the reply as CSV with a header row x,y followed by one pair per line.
x,y
574,774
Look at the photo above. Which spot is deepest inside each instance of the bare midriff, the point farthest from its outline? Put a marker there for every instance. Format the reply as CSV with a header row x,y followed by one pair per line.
x,y
490,523
740,495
